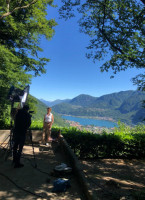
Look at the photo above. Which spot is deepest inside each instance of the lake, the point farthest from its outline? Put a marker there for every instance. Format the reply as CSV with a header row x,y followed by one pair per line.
x,y
90,121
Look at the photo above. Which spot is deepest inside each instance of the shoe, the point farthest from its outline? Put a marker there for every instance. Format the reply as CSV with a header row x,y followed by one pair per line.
x,y
18,165
47,144
60,167
67,169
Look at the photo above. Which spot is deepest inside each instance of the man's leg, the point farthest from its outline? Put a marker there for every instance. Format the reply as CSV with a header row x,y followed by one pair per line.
x,y
15,148
19,152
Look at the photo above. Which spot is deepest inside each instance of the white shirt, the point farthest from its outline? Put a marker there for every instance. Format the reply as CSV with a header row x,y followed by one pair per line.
x,y
48,118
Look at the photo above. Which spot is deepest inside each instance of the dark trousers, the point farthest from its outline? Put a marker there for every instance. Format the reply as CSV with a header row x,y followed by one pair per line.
x,y
17,148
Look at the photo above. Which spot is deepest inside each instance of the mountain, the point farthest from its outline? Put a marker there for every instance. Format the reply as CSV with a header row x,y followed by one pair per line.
x,y
83,100
52,103
125,106
113,100
133,102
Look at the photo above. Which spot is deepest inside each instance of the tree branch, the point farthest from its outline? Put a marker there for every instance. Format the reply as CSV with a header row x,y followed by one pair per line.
x,y
17,8
107,38
143,1
8,5
118,49
104,9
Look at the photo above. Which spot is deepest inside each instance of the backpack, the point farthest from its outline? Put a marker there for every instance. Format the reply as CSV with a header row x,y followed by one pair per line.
x,y
60,185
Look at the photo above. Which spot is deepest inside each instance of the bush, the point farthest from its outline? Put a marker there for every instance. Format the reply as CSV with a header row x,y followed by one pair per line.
x,y
124,142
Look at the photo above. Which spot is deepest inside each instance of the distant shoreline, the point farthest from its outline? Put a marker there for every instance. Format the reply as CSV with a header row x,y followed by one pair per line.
x,y
91,128
92,117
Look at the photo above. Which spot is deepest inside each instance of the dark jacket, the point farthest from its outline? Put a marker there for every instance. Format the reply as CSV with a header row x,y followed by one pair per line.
x,y
22,122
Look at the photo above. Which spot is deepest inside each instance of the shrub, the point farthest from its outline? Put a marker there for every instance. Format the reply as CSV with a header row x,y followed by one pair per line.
x,y
124,142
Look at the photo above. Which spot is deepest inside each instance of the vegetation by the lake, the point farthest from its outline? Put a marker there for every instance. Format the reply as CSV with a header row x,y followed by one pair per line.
x,y
123,142
125,106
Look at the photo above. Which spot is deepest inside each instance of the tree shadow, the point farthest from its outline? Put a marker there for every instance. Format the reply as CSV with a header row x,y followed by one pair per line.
x,y
111,179
35,180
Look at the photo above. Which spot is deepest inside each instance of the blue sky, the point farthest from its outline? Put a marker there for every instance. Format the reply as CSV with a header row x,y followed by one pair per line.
x,y
69,72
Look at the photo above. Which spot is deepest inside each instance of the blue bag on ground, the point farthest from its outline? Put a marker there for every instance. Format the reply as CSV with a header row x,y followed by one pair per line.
x,y
60,185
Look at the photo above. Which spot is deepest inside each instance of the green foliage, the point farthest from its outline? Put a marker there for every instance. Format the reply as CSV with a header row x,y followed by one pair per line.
x,y
124,142
35,105
4,108
22,25
36,124
32,102
116,29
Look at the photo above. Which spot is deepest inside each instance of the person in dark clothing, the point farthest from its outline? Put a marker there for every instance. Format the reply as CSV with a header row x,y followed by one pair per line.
x,y
22,123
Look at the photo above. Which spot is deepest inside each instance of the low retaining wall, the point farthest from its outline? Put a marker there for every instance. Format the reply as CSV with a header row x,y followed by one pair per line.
x,y
36,136
75,164
4,136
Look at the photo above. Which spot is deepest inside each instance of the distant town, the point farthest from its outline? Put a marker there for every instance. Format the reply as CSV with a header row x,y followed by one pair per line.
x,y
92,117
90,128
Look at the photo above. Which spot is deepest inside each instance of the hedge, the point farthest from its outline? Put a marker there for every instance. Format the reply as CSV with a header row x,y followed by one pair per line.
x,y
118,144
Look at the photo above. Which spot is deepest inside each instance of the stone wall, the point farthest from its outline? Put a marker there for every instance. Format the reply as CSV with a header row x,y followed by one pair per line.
x,y
5,135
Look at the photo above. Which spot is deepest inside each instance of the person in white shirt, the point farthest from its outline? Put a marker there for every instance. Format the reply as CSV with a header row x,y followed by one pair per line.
x,y
47,125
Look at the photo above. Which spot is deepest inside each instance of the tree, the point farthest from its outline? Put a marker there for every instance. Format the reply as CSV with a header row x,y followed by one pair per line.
x,y
115,27
22,25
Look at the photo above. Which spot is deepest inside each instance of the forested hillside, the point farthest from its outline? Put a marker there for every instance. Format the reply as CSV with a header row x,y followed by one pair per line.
x,y
125,106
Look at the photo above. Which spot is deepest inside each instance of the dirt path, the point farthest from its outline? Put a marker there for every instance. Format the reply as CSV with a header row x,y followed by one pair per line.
x,y
32,179
109,179
116,179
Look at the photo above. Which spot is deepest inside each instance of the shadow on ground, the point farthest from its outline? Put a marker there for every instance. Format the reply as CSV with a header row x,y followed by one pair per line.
x,y
116,179
35,179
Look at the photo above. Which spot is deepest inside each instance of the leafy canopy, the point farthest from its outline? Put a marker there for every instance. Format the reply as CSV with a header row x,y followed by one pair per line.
x,y
23,24
115,27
